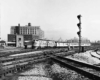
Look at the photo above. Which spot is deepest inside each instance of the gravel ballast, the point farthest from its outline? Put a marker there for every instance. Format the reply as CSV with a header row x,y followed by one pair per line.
x,y
57,72
48,70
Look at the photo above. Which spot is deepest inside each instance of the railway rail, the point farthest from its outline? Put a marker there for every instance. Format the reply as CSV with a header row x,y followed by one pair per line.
x,y
21,63
76,50
89,71
33,54
21,66
18,66
5,54
11,63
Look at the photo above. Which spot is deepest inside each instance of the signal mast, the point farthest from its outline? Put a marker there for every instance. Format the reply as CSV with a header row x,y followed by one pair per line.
x,y
79,32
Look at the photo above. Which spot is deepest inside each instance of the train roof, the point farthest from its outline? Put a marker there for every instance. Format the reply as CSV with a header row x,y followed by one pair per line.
x,y
61,41
45,39
51,40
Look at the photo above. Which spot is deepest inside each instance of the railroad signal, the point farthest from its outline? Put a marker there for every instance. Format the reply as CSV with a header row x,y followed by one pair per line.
x,y
79,17
79,25
79,32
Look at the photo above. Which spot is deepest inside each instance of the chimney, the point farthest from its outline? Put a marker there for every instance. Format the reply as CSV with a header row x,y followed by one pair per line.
x,y
18,25
29,24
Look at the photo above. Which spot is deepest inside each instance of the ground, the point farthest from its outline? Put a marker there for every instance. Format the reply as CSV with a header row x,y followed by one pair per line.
x,y
12,49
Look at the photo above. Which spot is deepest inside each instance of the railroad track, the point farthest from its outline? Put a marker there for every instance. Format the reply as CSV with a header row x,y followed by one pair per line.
x,y
5,54
89,71
19,57
21,63
16,61
21,66
24,64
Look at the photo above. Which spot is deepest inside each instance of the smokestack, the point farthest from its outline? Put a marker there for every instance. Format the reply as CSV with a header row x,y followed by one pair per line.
x,y
18,25
29,24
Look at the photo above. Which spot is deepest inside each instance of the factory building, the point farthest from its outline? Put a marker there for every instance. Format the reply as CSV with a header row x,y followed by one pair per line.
x,y
27,30
19,34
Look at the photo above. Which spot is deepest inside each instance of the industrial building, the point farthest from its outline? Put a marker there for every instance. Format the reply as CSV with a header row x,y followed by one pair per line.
x,y
26,33
27,30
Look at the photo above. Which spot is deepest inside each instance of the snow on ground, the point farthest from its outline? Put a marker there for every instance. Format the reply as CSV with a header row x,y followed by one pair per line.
x,y
98,52
86,57
37,70
26,53
37,73
32,78
95,54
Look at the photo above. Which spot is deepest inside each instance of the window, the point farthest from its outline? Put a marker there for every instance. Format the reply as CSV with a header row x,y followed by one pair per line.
x,y
19,39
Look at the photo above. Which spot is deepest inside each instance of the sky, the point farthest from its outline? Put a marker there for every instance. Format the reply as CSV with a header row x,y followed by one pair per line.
x,y
57,18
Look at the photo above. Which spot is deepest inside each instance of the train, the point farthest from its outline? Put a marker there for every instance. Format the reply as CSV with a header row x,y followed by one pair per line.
x,y
44,43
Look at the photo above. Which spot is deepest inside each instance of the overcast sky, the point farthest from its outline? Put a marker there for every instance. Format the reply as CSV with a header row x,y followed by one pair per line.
x,y
58,18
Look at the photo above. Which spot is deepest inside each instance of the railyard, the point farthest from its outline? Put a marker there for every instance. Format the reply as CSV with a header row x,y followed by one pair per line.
x,y
53,40
39,65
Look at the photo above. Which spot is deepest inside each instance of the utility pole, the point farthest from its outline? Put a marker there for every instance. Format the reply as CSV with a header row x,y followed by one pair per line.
x,y
79,32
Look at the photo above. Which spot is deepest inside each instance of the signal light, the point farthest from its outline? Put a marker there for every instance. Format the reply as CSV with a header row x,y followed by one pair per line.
x,y
79,25
79,16
78,33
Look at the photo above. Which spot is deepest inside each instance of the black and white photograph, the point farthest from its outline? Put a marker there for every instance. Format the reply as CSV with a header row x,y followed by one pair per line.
x,y
49,40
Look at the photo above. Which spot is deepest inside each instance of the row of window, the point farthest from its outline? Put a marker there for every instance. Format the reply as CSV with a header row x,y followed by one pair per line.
x,y
35,27
24,31
29,27
27,32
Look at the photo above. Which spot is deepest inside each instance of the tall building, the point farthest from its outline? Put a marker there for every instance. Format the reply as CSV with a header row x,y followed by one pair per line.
x,y
27,30
19,34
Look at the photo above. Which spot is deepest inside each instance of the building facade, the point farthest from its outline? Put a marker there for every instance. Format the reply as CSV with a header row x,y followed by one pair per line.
x,y
26,33
27,30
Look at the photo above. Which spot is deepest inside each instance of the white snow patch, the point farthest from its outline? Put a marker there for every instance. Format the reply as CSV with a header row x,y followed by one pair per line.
x,y
85,57
95,54
98,52
37,70
33,78
57,69
27,53
37,73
